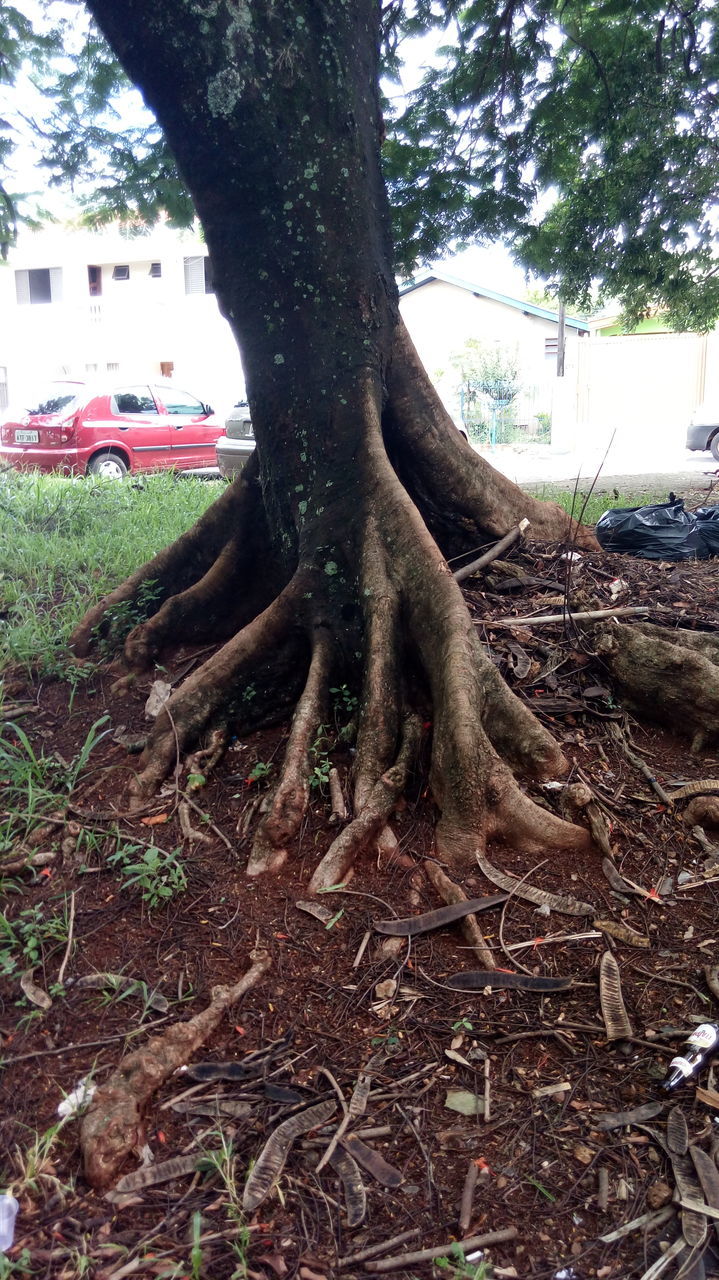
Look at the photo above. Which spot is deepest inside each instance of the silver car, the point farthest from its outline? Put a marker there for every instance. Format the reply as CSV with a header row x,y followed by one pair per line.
x,y
238,442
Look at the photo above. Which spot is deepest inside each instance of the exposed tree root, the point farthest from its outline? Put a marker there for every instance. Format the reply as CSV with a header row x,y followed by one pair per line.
x,y
671,683
369,610
705,643
215,692
450,893
203,586
112,1126
289,802
378,805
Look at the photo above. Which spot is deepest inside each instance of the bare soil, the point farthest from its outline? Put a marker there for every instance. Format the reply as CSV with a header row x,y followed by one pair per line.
x,y
544,1165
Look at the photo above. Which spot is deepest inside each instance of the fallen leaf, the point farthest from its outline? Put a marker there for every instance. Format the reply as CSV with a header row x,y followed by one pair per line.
x,y
584,1154
160,691
155,820
464,1101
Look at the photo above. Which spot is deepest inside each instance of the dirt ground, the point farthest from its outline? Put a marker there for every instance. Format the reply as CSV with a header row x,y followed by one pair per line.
x,y
537,1070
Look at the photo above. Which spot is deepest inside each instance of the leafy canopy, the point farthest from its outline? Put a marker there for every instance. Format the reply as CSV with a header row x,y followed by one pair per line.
x,y
584,132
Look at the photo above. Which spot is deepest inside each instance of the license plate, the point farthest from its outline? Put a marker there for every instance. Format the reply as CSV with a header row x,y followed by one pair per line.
x,y
27,437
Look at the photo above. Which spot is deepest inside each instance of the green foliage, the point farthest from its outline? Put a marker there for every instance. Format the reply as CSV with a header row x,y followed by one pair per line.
x,y
24,940
583,131
159,875
119,619
455,1264
34,783
259,772
320,763
604,111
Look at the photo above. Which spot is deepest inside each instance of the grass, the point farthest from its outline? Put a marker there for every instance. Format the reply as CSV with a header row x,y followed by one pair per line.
x,y
592,505
65,543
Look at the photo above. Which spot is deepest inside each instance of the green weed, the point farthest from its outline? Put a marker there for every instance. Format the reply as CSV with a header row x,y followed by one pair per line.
x,y
34,783
319,759
259,772
26,939
159,875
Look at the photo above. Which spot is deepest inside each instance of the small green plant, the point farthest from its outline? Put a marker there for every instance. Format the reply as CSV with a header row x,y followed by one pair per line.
x,y
457,1265
24,939
463,1024
32,782
321,764
119,619
159,875
345,701
35,1166
196,1252
223,1160
259,772
21,1266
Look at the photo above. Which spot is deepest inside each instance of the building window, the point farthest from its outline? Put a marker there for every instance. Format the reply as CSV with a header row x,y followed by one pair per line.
x,y
550,347
94,281
112,367
198,275
155,270
121,272
38,285
3,387
167,368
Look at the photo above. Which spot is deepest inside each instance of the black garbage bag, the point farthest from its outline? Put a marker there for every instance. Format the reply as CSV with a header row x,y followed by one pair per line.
x,y
664,531
707,519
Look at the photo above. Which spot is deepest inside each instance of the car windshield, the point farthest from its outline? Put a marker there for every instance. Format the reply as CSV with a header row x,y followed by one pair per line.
x,y
52,399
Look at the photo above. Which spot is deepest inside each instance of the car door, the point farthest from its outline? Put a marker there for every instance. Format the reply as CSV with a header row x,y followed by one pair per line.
x,y
193,432
141,427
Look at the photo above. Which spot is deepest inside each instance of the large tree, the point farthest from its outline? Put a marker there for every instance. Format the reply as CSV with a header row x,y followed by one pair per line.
x,y
325,562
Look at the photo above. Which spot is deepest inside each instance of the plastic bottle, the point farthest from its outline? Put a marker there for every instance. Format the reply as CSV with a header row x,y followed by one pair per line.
x,y
8,1212
700,1045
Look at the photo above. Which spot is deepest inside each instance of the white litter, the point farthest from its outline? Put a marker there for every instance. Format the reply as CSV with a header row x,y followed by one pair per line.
x,y
78,1099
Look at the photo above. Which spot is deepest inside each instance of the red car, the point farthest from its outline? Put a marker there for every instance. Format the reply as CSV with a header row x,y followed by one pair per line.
x,y
77,429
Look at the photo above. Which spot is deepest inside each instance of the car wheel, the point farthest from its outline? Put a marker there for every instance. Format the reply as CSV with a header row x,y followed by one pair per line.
x,y
714,446
107,466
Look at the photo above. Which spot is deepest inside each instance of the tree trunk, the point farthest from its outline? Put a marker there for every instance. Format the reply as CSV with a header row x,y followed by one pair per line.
x,y
325,562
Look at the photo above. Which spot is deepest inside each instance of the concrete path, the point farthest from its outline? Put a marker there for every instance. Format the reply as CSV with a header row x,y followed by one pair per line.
x,y
536,467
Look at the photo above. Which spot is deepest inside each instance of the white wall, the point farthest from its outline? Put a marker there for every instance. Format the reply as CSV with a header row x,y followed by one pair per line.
x,y
641,388
441,317
135,324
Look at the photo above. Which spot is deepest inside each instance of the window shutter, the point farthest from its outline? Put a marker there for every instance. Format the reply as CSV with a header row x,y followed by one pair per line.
x,y
22,287
56,284
195,274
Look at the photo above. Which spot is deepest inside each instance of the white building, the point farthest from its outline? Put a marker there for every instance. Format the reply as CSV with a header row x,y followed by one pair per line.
x,y
83,303
77,303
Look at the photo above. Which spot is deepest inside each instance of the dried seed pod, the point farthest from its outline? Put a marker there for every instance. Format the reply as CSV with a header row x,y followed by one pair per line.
x,y
623,933
272,1158
354,1189
677,1132
610,997
565,905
